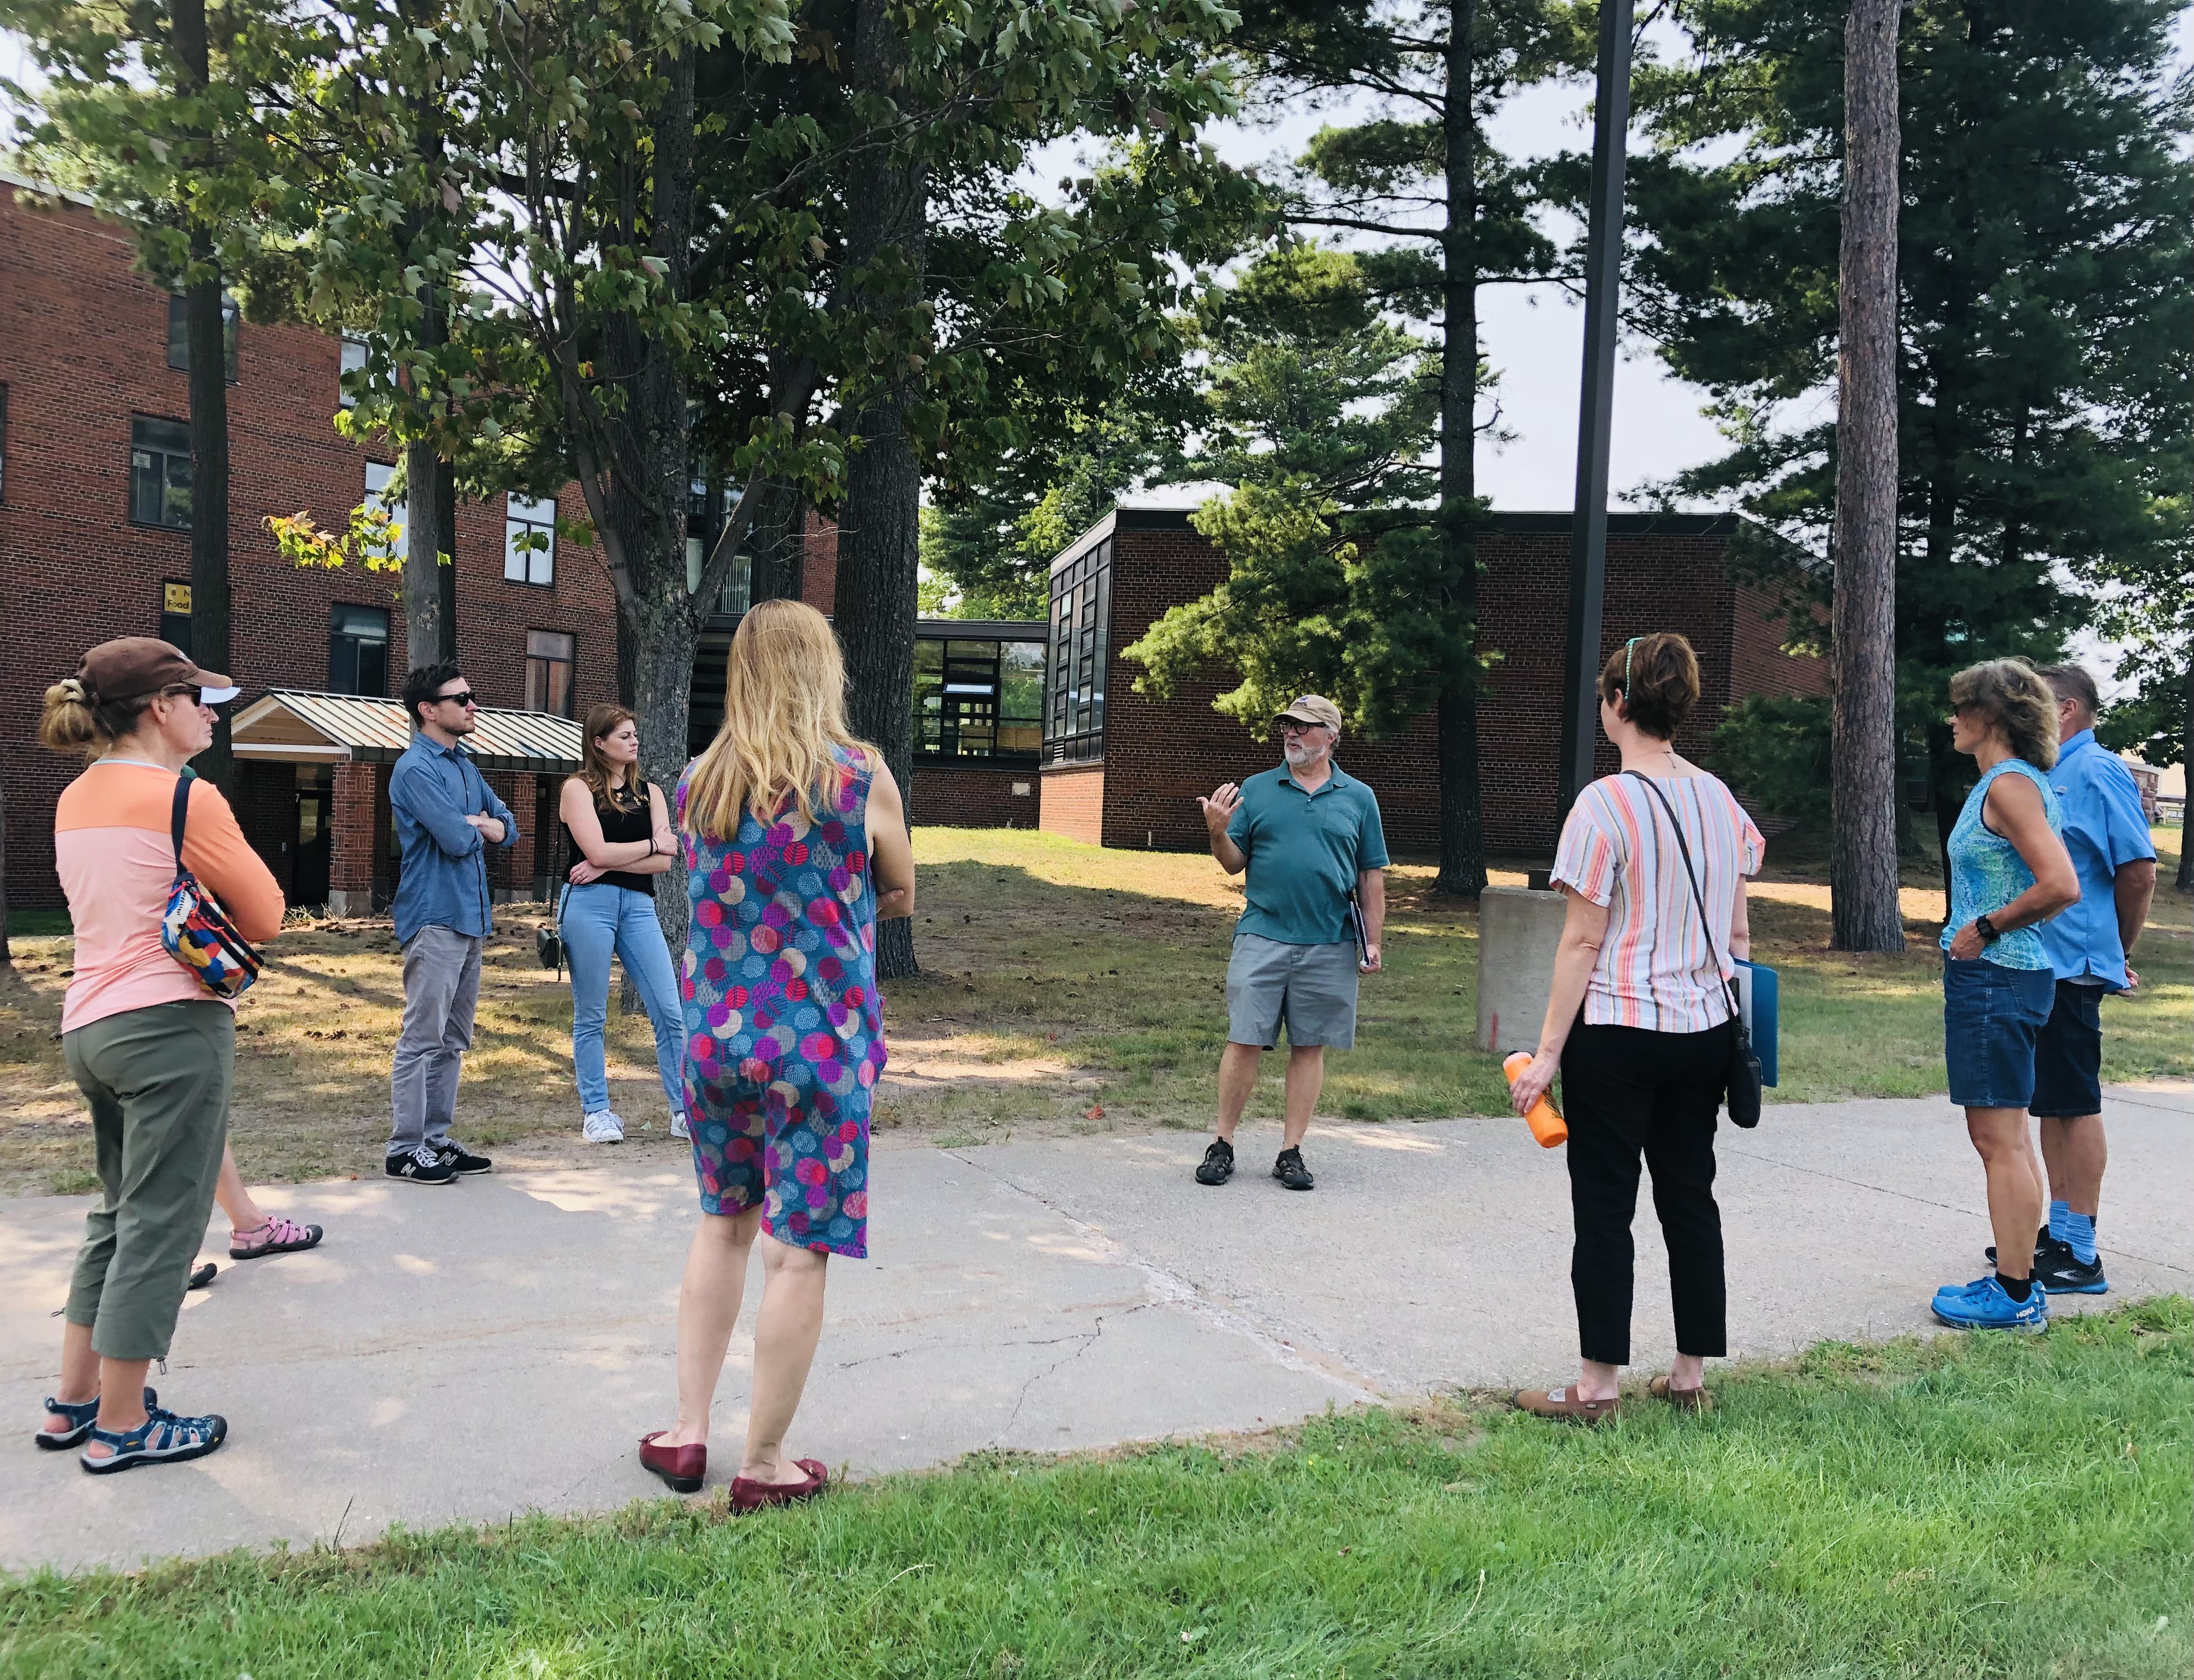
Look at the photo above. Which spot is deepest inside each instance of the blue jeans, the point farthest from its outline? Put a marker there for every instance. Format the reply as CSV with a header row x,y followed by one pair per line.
x,y
597,919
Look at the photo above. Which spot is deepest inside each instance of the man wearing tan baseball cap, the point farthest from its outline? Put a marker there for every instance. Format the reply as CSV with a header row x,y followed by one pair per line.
x,y
1311,841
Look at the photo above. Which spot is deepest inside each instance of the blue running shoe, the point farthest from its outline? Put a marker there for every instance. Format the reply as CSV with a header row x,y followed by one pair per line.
x,y
1982,1304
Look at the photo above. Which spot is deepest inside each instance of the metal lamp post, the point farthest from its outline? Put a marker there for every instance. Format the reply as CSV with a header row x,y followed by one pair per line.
x,y
1588,526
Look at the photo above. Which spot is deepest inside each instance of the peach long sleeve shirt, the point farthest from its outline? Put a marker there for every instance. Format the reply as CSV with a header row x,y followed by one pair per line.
x,y
117,861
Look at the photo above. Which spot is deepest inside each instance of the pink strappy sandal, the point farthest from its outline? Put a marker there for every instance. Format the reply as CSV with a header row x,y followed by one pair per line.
x,y
277,1236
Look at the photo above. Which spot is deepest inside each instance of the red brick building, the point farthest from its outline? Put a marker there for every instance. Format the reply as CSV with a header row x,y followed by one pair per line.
x,y
94,543
1125,770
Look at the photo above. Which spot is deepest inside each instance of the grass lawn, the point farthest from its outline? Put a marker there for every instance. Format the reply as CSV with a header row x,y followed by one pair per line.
x,y
1975,1506
1066,989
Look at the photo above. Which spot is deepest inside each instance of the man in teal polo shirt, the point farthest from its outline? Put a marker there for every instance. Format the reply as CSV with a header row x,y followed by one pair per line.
x,y
1310,838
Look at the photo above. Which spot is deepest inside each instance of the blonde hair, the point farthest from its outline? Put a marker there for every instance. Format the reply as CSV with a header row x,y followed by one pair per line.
x,y
76,719
595,769
785,716
2017,701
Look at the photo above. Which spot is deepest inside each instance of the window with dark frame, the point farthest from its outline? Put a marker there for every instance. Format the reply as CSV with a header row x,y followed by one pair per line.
x,y
528,540
176,615
159,473
979,698
358,650
179,332
355,355
548,672
1080,616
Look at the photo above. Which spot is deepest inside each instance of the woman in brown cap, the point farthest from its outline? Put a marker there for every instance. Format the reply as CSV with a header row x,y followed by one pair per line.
x,y
150,1047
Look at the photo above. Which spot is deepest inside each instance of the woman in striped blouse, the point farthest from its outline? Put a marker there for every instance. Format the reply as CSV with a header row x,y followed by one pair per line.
x,y
1638,1023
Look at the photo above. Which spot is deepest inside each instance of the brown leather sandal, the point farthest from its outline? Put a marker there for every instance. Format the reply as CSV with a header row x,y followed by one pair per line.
x,y
1683,1399
1563,1403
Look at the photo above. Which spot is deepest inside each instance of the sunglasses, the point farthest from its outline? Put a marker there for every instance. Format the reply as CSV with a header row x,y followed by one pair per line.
x,y
465,698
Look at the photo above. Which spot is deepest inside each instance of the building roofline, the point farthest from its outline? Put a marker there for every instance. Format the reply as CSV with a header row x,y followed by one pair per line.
x,y
9,177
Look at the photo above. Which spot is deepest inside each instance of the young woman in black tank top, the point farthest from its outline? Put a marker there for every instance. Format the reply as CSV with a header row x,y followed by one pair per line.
x,y
619,831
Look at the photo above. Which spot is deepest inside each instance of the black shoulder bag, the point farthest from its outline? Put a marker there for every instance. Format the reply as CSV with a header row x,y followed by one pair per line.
x,y
1743,1097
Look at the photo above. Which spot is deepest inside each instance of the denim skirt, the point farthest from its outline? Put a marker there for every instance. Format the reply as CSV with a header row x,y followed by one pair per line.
x,y
1991,1017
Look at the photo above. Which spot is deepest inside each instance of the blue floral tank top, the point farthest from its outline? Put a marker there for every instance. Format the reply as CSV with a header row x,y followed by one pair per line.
x,y
1987,872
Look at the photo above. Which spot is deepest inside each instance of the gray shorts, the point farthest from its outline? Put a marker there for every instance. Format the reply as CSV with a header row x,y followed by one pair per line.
x,y
1312,988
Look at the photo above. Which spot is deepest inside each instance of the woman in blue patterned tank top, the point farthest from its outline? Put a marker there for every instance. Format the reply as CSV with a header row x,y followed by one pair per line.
x,y
796,846
2009,873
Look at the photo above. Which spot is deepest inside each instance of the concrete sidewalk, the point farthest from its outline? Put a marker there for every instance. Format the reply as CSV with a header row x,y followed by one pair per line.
x,y
499,1347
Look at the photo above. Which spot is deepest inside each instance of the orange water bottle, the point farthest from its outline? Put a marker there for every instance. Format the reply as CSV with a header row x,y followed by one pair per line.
x,y
1548,1126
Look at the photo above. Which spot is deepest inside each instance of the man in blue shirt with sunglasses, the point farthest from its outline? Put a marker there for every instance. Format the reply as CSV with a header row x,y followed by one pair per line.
x,y
2107,832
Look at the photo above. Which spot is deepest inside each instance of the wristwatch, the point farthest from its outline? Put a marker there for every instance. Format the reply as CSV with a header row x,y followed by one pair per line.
x,y
1987,930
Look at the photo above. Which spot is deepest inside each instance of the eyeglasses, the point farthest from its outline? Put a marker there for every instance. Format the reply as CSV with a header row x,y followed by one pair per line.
x,y
1289,727
462,698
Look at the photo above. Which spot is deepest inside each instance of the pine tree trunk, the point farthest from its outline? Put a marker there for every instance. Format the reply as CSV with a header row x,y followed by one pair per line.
x,y
879,533
1863,853
446,522
422,556
207,340
1462,824
209,599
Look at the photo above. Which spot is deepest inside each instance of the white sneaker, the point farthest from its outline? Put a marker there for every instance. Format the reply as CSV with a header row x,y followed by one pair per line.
x,y
602,1126
678,1127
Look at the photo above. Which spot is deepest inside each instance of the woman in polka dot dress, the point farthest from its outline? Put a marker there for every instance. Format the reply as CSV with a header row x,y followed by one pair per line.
x,y
796,845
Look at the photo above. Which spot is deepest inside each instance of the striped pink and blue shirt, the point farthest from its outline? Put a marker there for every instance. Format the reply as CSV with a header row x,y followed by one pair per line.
x,y
1656,970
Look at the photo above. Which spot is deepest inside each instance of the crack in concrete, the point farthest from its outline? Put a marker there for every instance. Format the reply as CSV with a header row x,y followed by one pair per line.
x,y
1087,1339
1171,1288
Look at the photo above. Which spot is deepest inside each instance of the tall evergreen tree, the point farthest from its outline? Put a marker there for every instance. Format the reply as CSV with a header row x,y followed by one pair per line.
x,y
1447,214
2042,263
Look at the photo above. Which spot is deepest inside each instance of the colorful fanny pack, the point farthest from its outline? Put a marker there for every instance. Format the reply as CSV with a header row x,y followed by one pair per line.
x,y
194,927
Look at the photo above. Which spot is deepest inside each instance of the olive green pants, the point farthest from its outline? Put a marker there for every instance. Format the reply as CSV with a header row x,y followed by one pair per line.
x,y
158,1081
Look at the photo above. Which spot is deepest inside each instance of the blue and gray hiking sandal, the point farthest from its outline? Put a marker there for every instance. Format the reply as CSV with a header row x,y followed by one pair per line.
x,y
162,1438
1983,1304
82,1415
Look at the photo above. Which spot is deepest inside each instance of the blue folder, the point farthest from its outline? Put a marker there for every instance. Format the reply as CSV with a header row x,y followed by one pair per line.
x,y
1758,996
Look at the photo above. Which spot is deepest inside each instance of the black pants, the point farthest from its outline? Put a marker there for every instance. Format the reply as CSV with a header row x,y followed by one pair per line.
x,y
1625,1090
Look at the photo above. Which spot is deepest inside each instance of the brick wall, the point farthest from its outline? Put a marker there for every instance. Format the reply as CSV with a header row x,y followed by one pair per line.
x,y
1073,803
82,349
351,839
1160,754
970,796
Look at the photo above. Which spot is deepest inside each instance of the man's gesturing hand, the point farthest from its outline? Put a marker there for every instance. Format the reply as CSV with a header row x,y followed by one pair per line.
x,y
1219,810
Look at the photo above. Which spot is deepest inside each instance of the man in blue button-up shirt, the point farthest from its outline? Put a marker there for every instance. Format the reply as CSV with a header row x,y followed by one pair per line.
x,y
2107,832
446,817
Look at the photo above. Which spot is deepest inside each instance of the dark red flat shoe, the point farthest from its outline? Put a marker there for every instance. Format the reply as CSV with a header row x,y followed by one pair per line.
x,y
683,1467
748,1495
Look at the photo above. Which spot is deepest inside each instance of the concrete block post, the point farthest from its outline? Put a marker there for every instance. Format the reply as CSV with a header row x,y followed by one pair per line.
x,y
353,827
1518,929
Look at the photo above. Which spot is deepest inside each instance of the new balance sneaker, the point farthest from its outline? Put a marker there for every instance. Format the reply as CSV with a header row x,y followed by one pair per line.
x,y
458,1159
419,1165
602,1126
2067,1274
1218,1164
679,1128
1983,1304
1290,1170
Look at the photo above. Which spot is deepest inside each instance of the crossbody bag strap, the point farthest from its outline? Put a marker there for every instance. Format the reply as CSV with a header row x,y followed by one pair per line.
x,y
1698,899
177,816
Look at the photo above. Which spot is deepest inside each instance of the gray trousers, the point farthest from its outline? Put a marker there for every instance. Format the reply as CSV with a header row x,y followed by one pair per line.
x,y
158,1081
441,989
